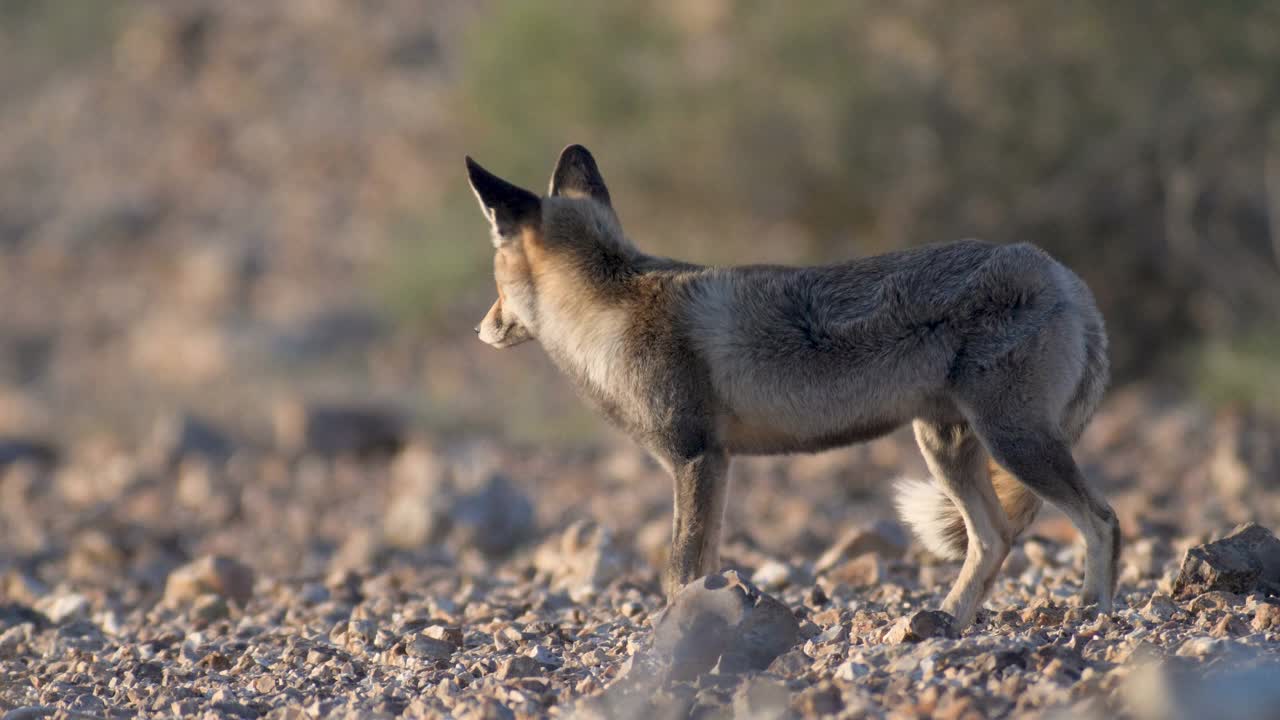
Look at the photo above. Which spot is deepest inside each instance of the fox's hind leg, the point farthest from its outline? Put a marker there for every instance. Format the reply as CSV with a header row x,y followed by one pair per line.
x,y
1041,458
957,461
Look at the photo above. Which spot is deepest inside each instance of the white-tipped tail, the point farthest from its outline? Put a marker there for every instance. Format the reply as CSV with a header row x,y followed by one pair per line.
x,y
932,516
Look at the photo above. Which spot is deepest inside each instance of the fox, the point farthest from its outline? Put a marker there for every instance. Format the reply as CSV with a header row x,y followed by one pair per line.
x,y
996,354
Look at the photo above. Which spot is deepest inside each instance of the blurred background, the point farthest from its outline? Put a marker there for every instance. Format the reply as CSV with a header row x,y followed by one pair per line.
x,y
233,235
220,206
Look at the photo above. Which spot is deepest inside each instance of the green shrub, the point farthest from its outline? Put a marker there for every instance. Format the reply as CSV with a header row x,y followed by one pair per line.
x,y
38,37
1244,374
440,263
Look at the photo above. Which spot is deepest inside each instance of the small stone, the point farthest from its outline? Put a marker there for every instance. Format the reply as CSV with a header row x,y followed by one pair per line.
x,y
430,648
1159,608
922,625
884,538
208,608
1214,600
1200,647
851,671
19,450
1146,557
1043,612
495,519
1228,626
1266,617
791,664
264,685
544,656
1060,662
507,637
519,666
586,556
420,497
231,707
1008,617
185,436
773,575
22,587
863,571
822,700
1039,552
631,609
314,593
338,430
816,597
86,704
215,574
995,662
761,697
828,617
63,608
449,634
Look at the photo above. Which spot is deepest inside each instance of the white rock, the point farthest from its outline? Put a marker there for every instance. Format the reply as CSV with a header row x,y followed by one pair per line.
x,y
773,575
70,606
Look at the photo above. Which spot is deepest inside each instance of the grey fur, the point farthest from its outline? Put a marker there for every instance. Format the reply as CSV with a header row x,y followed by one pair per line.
x,y
990,350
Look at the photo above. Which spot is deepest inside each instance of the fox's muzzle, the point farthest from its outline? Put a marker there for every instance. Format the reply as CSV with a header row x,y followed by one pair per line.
x,y
500,330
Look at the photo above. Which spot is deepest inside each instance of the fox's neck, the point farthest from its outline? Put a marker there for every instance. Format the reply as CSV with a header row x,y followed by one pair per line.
x,y
583,317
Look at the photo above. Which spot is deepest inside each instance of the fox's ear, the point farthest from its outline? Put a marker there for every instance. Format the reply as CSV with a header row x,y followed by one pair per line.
x,y
576,175
508,207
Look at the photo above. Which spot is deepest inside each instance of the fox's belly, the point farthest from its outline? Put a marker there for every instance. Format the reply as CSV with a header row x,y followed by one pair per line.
x,y
759,437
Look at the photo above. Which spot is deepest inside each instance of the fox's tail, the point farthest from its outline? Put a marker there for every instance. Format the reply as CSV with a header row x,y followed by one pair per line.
x,y
937,521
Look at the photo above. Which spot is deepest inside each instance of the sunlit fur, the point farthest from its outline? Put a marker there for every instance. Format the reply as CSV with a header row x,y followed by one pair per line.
x,y
996,354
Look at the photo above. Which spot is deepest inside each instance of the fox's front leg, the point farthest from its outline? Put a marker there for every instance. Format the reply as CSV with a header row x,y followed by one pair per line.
x,y
701,482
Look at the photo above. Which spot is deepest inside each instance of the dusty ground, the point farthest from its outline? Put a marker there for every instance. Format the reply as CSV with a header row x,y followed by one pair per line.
x,y
472,580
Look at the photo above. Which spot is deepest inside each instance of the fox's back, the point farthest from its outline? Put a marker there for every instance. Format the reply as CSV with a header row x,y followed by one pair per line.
x,y
863,345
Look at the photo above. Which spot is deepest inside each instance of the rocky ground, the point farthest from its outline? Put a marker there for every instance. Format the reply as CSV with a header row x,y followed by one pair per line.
x,y
350,567
196,219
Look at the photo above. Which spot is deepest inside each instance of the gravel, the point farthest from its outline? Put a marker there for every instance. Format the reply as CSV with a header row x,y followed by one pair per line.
x,y
472,579
248,555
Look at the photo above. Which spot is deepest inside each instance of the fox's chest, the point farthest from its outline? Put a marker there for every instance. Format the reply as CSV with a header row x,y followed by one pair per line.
x,y
593,352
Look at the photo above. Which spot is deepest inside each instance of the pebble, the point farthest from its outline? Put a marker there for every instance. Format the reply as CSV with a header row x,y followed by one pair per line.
x,y
214,574
921,625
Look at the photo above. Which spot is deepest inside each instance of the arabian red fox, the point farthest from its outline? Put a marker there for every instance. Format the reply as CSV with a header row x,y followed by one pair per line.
x,y
995,354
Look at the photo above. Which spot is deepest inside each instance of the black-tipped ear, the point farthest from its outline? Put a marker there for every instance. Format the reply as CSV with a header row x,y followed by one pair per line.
x,y
576,174
507,206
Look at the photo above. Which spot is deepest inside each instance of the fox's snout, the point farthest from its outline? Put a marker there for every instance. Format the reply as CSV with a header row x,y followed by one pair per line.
x,y
499,329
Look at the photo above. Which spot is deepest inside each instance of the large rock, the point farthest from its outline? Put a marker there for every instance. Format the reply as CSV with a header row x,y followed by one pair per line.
x,y
1245,561
723,623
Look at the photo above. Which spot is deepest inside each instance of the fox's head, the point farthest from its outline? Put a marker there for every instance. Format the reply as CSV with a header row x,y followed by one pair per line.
x,y
526,229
